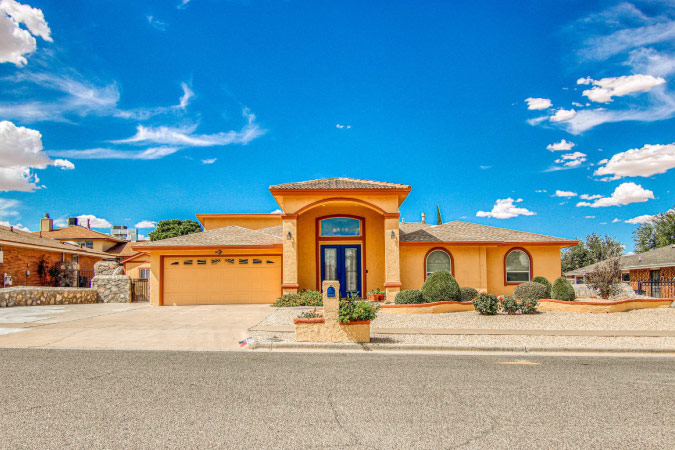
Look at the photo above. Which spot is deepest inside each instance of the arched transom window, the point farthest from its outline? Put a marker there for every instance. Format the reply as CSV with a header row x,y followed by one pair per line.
x,y
518,266
340,226
438,260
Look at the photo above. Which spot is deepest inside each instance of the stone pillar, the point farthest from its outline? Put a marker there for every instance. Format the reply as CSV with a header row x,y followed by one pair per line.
x,y
482,265
331,300
289,283
392,262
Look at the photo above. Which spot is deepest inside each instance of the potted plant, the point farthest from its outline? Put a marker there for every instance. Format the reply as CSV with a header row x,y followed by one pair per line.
x,y
376,295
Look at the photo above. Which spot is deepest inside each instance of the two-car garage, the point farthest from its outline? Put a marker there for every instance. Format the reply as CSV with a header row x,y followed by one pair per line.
x,y
203,280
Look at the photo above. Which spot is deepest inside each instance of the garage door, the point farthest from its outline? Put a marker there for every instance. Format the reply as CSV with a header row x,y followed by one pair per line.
x,y
203,281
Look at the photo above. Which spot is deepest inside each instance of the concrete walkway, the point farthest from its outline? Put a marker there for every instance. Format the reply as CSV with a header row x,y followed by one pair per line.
x,y
136,326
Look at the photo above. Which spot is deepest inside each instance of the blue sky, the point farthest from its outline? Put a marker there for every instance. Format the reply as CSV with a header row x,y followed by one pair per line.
x,y
130,112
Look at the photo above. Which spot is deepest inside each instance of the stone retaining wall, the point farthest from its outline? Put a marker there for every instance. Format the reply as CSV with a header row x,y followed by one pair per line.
x,y
30,296
112,288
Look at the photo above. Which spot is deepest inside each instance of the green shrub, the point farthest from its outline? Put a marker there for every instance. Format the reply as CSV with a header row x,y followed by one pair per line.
x,y
302,298
351,311
509,304
467,293
408,297
530,291
528,306
545,282
562,290
441,286
309,314
486,304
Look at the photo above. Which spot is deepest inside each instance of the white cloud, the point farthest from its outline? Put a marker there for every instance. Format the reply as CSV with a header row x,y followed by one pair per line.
x,y
652,62
566,194
276,211
15,41
590,217
7,207
156,23
646,218
589,197
185,137
538,103
537,120
20,152
540,190
624,194
505,209
146,224
616,220
563,145
186,97
639,162
343,126
183,4
563,115
604,89
64,164
209,161
18,226
485,167
572,159
92,221
112,153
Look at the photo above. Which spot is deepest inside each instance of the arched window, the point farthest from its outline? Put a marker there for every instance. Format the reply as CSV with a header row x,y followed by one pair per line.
x,y
518,266
340,226
438,260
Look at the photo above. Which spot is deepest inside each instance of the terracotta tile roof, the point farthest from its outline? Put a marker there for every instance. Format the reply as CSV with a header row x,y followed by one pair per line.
x,y
22,237
659,257
122,249
339,183
232,235
457,231
76,232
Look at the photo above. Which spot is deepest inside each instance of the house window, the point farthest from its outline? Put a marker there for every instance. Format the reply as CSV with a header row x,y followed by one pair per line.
x,y
86,244
340,226
145,274
76,259
438,260
625,277
518,266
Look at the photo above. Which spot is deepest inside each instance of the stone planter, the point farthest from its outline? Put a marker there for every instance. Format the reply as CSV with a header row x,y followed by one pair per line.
x,y
320,330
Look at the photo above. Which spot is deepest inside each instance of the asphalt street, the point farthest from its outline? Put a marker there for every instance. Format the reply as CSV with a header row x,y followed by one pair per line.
x,y
142,399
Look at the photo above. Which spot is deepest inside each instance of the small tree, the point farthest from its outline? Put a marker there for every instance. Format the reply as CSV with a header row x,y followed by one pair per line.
x,y
175,227
593,250
55,275
606,278
42,270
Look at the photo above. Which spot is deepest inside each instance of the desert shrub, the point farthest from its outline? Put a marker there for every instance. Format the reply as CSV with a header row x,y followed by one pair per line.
x,y
302,298
562,290
313,314
351,311
545,282
606,278
528,306
530,291
467,293
441,286
509,304
409,296
486,304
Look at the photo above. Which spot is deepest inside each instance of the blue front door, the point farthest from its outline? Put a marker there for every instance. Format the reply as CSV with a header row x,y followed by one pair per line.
x,y
342,263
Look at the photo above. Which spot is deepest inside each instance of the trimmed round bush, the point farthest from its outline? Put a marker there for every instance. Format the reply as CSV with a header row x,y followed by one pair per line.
x,y
545,282
562,290
409,297
441,286
486,304
530,291
468,293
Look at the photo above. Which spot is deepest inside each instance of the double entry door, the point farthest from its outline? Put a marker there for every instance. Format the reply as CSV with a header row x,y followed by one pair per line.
x,y
342,263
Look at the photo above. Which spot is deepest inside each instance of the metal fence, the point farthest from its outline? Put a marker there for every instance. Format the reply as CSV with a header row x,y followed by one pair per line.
x,y
84,278
657,289
139,290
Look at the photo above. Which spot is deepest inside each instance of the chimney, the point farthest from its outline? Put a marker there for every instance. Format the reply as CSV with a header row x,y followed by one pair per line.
x,y
46,224
424,217
402,219
88,224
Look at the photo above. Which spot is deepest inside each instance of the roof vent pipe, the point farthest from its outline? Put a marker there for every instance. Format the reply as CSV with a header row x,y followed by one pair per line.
x,y
424,216
403,221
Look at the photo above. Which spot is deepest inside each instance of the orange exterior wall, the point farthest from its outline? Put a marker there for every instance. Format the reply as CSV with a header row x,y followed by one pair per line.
x,y
374,245
132,268
252,221
156,266
467,265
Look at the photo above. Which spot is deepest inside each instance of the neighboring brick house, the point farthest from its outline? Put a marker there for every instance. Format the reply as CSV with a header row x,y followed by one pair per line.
x,y
652,272
22,253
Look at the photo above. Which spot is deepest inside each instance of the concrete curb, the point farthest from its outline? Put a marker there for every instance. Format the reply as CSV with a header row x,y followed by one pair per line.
x,y
421,347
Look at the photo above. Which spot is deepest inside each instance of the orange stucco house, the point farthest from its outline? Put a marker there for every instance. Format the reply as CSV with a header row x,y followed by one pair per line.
x,y
344,229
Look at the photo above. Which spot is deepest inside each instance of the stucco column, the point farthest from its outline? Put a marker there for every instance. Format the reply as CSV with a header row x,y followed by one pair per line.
x,y
289,283
392,262
482,265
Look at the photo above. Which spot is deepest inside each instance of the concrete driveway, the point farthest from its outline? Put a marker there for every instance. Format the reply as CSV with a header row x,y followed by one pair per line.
x,y
136,326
